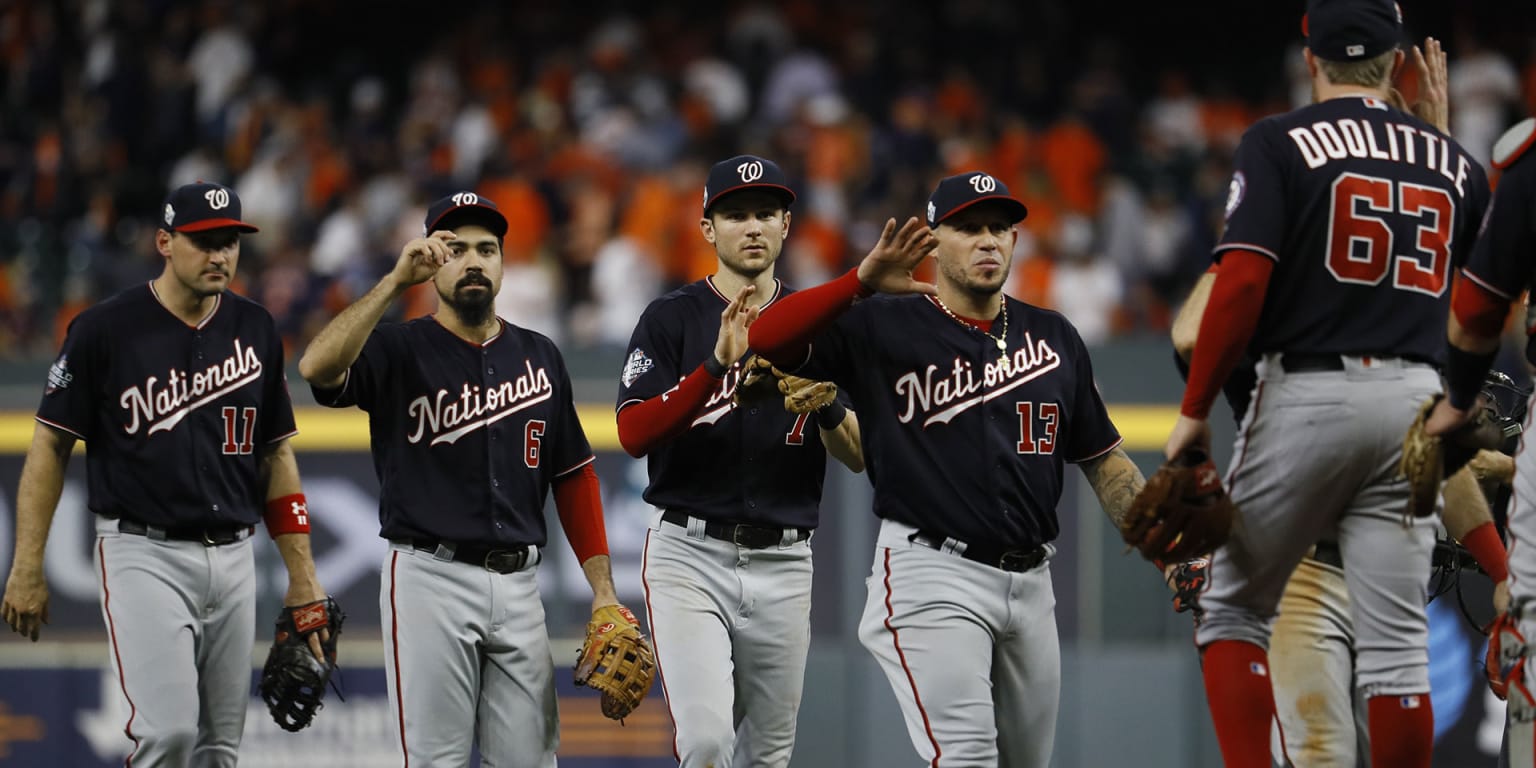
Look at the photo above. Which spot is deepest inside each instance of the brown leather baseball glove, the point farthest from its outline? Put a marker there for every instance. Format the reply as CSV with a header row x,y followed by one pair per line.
x,y
1429,459
617,660
1182,512
759,381
802,395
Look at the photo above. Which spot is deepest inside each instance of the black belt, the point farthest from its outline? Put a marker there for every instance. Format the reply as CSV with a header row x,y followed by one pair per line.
x,y
497,558
741,534
1308,362
1014,560
1327,553
211,536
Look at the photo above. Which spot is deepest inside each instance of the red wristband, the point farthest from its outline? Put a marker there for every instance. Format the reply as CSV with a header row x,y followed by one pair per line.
x,y
1484,544
287,514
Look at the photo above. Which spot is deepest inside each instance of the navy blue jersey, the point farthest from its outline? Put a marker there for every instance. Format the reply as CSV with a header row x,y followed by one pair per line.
x,y
1365,211
467,438
1504,259
756,464
175,417
955,442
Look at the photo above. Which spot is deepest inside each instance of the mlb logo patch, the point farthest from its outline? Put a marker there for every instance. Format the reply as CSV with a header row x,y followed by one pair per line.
x,y
1409,702
1257,669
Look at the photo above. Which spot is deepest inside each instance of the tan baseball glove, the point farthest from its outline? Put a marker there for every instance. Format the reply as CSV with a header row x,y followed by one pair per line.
x,y
1429,459
802,395
1182,513
617,660
759,381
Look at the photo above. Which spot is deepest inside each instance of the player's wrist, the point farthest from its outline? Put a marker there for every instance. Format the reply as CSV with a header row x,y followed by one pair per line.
x,y
831,415
714,367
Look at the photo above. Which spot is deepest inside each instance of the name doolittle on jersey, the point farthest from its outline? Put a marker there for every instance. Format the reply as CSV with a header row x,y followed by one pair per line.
x,y
447,421
961,389
162,407
1325,141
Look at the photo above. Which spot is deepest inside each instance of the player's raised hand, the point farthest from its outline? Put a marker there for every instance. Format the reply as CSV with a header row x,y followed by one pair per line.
x,y
888,267
1434,104
421,258
731,344
1188,433
25,605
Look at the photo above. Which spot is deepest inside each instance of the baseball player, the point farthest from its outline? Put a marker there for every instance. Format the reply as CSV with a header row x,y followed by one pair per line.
x,y
177,389
1343,220
736,487
1312,648
1502,268
472,421
972,403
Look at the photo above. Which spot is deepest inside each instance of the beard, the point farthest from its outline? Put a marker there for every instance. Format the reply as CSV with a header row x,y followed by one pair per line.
x,y
473,308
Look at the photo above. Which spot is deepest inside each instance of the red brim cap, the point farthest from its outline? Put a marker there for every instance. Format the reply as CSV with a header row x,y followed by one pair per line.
x,y
207,224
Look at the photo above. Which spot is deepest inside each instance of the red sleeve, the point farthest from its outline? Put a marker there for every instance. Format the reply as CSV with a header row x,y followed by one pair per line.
x,y
647,424
579,500
1231,315
784,332
1479,310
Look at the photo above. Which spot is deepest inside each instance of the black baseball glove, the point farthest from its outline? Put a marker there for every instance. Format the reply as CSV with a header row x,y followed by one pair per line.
x,y
293,680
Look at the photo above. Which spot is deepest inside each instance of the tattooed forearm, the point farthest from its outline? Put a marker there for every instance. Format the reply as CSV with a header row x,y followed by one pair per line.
x,y
1116,481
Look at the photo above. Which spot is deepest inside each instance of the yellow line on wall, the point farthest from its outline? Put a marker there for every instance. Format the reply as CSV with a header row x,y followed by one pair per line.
x,y
1145,428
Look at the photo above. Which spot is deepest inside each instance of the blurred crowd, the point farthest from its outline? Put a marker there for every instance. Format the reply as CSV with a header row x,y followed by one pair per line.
x,y
592,128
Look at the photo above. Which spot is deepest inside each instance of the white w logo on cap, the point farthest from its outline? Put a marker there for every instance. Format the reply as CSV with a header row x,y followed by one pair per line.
x,y
752,170
983,183
217,197
466,198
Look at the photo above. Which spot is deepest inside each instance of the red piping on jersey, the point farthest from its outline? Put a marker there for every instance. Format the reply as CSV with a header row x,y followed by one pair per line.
x,y
1487,286
778,290
106,604
1091,457
1230,319
896,642
501,330
1478,309
645,558
394,636
218,300
1253,416
576,466
644,425
578,499
784,334
59,427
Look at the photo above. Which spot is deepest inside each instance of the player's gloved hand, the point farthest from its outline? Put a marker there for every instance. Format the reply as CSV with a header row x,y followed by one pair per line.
x,y
1182,512
759,381
617,660
802,395
1505,660
1187,580
293,680
1440,441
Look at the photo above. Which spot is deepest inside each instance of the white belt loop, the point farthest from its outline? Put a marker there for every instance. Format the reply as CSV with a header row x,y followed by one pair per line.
x,y
444,552
696,526
953,547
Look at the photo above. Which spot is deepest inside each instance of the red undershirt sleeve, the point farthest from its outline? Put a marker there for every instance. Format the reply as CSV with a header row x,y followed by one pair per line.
x,y
578,499
1230,318
647,424
783,334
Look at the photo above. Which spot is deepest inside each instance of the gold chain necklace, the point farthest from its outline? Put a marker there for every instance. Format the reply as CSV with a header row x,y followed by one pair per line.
x,y
1000,340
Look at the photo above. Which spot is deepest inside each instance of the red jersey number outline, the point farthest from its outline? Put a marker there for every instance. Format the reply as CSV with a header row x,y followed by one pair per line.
x,y
1426,269
1050,415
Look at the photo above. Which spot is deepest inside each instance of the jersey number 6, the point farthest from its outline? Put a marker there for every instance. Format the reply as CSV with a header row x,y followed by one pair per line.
x,y
1360,233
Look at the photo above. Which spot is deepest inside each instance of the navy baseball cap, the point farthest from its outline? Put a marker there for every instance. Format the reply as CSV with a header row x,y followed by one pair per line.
x,y
961,191
203,206
1352,30
745,172
465,208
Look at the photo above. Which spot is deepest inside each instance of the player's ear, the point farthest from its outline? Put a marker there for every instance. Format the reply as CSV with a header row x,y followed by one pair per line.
x,y
786,222
163,242
1306,55
707,228
1398,60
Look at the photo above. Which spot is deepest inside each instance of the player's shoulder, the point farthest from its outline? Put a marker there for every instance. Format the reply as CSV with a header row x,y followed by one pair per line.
x,y
244,306
680,299
1043,323
528,338
1515,145
123,309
